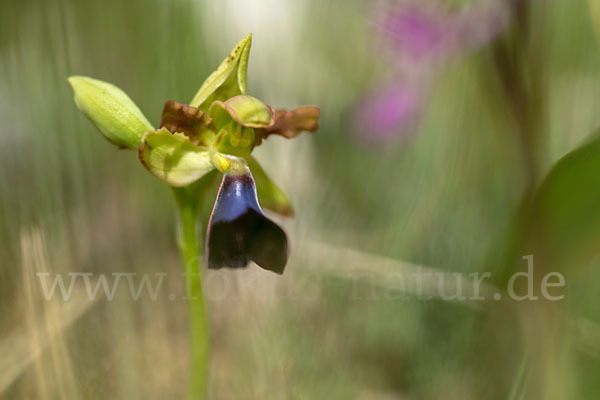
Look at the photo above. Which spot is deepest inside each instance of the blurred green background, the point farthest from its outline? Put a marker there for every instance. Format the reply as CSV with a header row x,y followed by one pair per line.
x,y
333,327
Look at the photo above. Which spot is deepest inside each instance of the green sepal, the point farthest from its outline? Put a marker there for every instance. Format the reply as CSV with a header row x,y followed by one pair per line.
x,y
111,110
235,120
173,158
270,195
229,79
243,109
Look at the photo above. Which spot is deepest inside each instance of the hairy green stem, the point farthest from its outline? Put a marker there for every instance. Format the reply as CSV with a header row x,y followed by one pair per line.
x,y
189,206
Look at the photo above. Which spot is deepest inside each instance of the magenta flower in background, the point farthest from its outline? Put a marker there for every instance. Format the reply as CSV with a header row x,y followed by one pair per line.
x,y
415,39
386,109
411,32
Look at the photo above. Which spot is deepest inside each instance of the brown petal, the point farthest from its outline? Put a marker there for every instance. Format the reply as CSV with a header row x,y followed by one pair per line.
x,y
289,124
186,119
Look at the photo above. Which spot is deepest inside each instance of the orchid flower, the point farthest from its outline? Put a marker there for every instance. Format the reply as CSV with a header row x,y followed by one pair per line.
x,y
218,129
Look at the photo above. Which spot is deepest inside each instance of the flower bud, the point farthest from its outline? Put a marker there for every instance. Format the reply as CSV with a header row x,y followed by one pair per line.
x,y
111,110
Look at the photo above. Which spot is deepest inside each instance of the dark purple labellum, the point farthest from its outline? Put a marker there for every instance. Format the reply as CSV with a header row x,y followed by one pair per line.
x,y
238,231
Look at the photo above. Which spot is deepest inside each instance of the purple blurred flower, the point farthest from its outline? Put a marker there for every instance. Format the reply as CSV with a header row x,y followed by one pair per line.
x,y
413,32
415,39
386,109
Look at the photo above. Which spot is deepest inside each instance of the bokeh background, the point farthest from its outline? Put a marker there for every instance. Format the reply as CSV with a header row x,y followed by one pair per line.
x,y
438,185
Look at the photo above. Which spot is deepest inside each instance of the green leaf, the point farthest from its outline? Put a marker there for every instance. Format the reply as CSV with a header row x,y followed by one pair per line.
x,y
173,158
111,110
270,196
594,13
228,80
567,207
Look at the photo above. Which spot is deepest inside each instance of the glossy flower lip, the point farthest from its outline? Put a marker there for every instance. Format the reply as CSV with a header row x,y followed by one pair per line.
x,y
239,232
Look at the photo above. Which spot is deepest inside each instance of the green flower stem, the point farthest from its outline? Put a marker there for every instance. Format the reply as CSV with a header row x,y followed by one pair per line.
x,y
189,206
